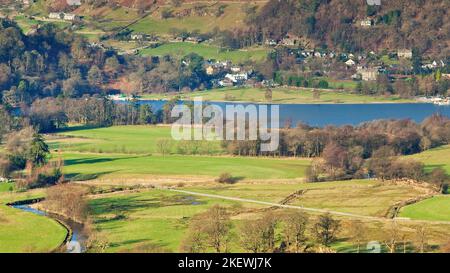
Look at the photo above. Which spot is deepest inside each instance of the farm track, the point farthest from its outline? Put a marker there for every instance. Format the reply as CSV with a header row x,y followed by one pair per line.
x,y
314,210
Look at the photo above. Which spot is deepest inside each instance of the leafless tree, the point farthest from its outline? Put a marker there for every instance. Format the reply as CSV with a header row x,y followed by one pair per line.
x,y
295,225
164,146
421,238
393,237
325,229
215,224
357,233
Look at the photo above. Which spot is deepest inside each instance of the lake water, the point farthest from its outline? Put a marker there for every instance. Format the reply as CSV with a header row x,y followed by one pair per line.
x,y
343,114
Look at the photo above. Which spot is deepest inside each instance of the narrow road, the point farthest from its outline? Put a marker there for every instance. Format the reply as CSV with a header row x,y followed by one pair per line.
x,y
337,213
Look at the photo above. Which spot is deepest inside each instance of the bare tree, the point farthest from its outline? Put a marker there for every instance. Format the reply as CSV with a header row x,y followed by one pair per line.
x,y
259,235
164,146
294,230
216,225
269,223
195,242
268,94
250,233
67,200
421,238
325,229
446,248
393,236
357,233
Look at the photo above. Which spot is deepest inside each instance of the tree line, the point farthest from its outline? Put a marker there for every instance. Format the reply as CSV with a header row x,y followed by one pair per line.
x,y
53,62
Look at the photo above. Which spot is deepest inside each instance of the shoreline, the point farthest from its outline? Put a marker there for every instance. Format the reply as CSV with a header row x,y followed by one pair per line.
x,y
282,103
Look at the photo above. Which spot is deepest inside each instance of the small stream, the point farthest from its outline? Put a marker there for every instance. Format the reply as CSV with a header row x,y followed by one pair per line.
x,y
76,242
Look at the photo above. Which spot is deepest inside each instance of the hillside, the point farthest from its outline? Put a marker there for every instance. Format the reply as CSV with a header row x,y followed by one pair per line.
x,y
333,24
337,23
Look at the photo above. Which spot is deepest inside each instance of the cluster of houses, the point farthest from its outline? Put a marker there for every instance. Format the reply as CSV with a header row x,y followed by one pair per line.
x,y
433,65
64,16
226,74
435,100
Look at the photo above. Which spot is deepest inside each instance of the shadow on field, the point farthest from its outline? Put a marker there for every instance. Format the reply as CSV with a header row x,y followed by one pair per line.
x,y
434,166
76,128
122,205
85,176
142,246
69,162
118,208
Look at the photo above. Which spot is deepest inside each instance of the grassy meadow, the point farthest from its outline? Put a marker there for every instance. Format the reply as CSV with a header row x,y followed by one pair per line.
x,y
158,220
153,220
437,157
435,209
122,152
281,95
119,166
232,17
208,52
362,197
117,139
24,231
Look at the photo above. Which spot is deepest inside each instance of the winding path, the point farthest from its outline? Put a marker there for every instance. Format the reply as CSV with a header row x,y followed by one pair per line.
x,y
337,213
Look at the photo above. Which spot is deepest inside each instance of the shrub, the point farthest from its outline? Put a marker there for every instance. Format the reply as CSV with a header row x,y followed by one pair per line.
x,y
226,178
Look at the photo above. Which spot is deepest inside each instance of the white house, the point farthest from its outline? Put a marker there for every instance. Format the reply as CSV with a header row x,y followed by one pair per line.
x,y
241,77
270,42
404,53
350,62
56,15
73,2
137,36
235,69
71,17
366,23
226,83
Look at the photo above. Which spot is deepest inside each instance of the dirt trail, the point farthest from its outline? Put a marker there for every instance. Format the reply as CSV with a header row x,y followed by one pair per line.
x,y
315,210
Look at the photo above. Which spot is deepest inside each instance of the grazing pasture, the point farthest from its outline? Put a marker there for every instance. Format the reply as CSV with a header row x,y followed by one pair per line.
x,y
362,197
281,95
120,166
22,231
129,140
434,209
208,52
437,157
152,220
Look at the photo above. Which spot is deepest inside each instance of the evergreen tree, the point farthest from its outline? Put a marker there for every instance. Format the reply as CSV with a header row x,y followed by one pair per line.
x,y
38,150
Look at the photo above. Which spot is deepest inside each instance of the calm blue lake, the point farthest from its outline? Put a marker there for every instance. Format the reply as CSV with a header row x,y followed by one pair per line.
x,y
344,114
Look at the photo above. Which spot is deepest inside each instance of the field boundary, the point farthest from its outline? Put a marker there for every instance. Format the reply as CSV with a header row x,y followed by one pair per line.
x,y
314,210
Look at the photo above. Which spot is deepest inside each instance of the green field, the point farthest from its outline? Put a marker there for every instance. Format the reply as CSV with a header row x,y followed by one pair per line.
x,y
232,17
157,220
363,197
131,152
280,95
153,220
4,187
120,139
26,232
27,24
437,157
208,52
141,166
435,209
